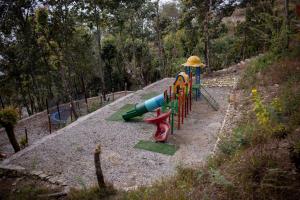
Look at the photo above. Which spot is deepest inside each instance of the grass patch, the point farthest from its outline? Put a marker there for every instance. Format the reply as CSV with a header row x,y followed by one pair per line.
x,y
260,64
239,138
27,192
149,95
93,193
162,148
117,116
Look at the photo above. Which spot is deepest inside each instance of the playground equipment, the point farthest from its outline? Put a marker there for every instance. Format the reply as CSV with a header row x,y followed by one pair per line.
x,y
142,108
209,99
176,104
162,126
195,62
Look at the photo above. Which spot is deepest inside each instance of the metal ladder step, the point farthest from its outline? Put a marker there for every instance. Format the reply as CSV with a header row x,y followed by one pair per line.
x,y
210,100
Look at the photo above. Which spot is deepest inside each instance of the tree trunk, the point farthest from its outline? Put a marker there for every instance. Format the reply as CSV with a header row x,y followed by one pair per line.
x,y
98,36
99,173
68,91
1,101
207,47
159,42
207,37
287,21
12,138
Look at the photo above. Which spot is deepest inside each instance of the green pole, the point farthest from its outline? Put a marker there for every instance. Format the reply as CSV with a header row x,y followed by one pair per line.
x,y
172,119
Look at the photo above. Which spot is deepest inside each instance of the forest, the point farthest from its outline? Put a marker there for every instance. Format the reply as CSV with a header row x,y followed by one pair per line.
x,y
60,51
116,65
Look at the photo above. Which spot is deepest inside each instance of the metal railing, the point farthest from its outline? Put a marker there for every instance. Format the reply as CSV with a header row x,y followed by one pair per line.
x,y
210,100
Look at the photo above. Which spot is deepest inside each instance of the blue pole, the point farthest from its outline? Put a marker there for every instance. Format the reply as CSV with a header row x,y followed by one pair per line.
x,y
188,70
198,81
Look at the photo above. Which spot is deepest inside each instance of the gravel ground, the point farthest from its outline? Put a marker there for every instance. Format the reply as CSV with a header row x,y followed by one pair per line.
x,y
37,126
67,155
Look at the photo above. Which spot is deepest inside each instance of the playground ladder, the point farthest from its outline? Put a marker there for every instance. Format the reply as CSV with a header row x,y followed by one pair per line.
x,y
210,100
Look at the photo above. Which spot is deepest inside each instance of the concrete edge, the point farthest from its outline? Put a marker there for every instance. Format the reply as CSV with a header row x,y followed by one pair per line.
x,y
21,171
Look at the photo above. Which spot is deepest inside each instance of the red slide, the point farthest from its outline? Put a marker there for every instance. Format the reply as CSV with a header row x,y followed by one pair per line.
x,y
163,127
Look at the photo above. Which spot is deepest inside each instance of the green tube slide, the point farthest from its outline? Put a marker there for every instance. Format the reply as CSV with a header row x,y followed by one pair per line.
x,y
142,108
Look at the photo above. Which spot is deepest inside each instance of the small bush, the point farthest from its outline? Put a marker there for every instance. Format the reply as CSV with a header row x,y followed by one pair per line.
x,y
23,143
260,64
8,116
295,154
239,138
28,192
218,179
92,193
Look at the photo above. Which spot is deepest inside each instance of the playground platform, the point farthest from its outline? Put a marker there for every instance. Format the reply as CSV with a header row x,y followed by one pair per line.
x,y
66,156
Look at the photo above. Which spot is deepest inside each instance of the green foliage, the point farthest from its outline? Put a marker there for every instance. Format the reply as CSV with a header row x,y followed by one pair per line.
x,y
218,179
23,143
92,193
258,65
8,116
29,192
93,107
240,138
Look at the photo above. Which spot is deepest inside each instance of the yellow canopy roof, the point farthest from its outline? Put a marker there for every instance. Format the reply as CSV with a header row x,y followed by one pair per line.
x,y
193,61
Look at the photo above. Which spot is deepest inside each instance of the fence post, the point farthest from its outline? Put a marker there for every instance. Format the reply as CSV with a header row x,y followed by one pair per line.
x,y
101,100
71,112
26,136
58,111
48,114
99,173
2,104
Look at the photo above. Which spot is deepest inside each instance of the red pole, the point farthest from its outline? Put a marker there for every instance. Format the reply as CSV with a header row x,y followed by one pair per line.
x,y
170,99
191,90
178,113
185,103
182,108
170,91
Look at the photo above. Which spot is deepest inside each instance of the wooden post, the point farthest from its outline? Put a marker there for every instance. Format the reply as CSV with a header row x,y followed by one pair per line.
x,y
101,100
26,135
48,114
125,88
99,173
2,104
78,107
113,95
57,108
71,112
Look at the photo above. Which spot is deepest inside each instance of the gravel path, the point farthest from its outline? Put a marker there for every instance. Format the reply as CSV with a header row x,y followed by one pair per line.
x,y
67,155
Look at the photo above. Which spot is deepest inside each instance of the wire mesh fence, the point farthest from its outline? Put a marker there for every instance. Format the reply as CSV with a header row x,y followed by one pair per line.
x,y
58,115
61,114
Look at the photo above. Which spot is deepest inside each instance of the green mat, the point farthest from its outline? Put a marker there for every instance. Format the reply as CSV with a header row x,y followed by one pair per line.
x,y
148,95
163,148
117,116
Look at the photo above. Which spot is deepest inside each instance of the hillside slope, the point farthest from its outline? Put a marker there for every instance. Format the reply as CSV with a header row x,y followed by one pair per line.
x,y
260,157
